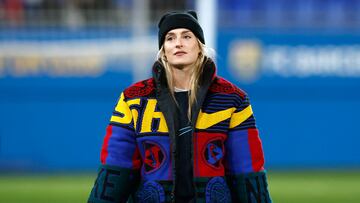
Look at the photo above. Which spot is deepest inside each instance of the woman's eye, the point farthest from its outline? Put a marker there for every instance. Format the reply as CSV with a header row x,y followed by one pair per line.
x,y
169,38
187,37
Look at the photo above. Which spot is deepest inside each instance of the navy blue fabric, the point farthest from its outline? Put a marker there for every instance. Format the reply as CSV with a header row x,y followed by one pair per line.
x,y
184,188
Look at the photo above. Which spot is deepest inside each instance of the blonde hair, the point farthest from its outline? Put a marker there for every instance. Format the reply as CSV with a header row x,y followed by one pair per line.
x,y
194,79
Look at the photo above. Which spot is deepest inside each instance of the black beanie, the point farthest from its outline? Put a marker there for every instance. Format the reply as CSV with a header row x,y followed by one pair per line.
x,y
176,19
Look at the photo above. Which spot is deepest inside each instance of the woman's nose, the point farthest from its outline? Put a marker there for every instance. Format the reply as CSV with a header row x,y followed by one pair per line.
x,y
178,42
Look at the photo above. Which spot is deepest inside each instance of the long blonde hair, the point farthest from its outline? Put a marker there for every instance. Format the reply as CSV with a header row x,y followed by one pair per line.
x,y
194,79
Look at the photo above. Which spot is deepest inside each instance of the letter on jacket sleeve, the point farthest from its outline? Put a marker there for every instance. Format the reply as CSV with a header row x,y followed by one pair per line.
x,y
120,159
244,158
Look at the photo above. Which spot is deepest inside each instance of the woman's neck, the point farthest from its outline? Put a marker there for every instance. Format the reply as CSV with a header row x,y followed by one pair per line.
x,y
182,77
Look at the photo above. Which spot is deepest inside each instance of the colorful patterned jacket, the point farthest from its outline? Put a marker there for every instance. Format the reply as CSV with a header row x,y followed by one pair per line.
x,y
139,147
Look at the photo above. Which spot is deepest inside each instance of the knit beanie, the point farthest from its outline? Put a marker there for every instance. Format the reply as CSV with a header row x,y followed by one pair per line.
x,y
177,19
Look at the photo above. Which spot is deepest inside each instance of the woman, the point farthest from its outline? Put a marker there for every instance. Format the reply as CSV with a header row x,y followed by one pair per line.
x,y
184,135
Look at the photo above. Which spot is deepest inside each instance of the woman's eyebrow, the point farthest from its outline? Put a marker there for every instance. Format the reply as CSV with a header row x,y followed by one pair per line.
x,y
170,33
186,31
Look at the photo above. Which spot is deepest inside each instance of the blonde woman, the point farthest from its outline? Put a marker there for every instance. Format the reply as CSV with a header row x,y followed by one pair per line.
x,y
184,135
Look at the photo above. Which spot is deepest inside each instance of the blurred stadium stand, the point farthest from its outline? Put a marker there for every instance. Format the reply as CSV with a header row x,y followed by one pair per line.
x,y
63,64
80,13
238,13
293,14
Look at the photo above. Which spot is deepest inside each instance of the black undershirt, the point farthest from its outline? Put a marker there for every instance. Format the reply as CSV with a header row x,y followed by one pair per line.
x,y
184,188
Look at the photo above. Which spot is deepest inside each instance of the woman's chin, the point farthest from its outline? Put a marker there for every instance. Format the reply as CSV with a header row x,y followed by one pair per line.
x,y
180,64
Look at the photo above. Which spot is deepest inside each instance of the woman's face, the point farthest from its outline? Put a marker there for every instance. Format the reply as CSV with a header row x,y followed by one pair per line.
x,y
181,48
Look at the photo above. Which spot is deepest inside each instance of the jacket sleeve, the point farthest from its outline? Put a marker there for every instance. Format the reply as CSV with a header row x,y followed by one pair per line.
x,y
244,166
118,173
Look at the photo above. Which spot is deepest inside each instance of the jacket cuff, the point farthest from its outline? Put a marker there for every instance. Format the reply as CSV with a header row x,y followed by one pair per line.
x,y
249,188
113,184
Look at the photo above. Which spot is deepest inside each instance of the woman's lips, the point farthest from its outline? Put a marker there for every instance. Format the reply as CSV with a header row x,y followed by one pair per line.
x,y
180,53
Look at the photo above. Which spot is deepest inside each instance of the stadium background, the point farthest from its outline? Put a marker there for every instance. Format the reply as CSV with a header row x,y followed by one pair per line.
x,y
63,64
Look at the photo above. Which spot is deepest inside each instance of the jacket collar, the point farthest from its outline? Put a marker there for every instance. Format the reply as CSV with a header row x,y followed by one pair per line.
x,y
208,75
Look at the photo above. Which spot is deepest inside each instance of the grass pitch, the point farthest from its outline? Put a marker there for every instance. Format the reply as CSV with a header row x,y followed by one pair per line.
x,y
315,187
285,187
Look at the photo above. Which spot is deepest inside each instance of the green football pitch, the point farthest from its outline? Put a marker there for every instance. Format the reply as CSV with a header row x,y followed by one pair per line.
x,y
285,187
